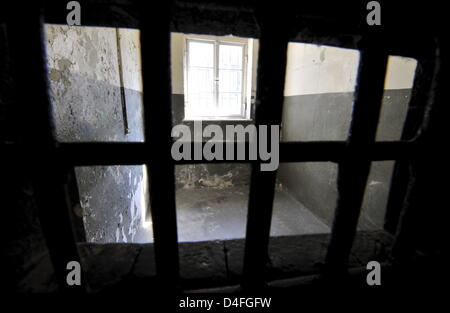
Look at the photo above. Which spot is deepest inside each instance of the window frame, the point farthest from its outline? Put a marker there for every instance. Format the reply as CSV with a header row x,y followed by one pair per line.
x,y
246,80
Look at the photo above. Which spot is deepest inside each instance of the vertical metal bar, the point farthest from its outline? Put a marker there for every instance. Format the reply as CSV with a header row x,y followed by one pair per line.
x,y
354,170
400,178
216,75
271,76
76,212
155,41
49,175
425,189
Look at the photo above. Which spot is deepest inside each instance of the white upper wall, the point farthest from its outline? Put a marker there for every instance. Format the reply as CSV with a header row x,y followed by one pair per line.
x,y
177,57
313,69
400,73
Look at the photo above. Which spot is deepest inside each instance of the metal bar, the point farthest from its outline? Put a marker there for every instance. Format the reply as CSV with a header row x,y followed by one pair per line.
x,y
76,211
130,153
155,41
335,151
271,75
49,176
401,174
353,171
425,189
330,24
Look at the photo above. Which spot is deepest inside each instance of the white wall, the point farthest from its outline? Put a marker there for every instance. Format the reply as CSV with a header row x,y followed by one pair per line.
x,y
177,56
400,73
313,69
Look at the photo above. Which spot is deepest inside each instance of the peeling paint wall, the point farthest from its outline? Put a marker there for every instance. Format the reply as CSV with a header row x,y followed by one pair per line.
x,y
86,93
85,83
113,201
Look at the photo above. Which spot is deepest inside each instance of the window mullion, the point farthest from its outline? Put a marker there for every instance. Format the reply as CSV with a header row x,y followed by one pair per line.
x,y
244,80
216,74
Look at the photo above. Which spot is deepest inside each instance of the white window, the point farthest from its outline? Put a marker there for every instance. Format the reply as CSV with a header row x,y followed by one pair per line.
x,y
216,79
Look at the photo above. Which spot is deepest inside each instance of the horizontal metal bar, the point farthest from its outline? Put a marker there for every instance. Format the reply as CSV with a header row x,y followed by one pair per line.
x,y
340,25
100,153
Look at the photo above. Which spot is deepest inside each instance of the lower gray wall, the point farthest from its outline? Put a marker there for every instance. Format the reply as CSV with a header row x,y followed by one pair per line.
x,y
375,199
313,185
327,116
91,110
316,117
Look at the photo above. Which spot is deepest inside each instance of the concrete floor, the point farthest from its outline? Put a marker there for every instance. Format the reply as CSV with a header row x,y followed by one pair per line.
x,y
209,214
204,214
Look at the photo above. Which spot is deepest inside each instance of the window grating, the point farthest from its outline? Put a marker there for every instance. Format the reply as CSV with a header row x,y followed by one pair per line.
x,y
216,77
353,156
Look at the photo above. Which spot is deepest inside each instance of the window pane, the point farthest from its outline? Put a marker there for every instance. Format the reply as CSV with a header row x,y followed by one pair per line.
x,y
230,57
201,54
230,79
214,82
201,78
230,103
200,92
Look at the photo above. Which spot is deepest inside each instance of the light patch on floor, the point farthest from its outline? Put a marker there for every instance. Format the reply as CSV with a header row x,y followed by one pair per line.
x,y
210,214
